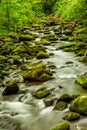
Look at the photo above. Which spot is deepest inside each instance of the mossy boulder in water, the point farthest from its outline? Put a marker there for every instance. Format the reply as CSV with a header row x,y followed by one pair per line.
x,y
62,126
82,80
71,116
11,87
44,77
41,93
38,73
60,105
79,105
65,98
42,55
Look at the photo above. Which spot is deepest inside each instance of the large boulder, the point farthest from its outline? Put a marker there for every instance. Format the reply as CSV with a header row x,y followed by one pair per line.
x,y
79,105
62,126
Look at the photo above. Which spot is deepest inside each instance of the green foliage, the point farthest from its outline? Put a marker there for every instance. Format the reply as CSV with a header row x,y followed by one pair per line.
x,y
70,9
18,12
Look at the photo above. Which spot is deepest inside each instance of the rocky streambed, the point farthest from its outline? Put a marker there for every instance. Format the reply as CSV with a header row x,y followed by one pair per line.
x,y
38,80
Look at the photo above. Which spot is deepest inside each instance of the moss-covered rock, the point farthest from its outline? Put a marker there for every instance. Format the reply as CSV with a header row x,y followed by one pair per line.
x,y
83,59
2,59
65,98
82,80
39,73
44,42
68,31
62,126
44,77
60,105
15,59
71,116
50,100
42,55
26,37
67,45
79,105
11,87
41,93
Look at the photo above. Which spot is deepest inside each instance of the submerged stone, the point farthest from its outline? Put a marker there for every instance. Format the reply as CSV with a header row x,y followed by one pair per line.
x,y
82,80
60,105
11,87
41,93
79,105
71,116
62,126
49,101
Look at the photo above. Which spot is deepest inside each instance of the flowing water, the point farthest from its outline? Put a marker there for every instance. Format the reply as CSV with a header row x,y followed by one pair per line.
x,y
24,112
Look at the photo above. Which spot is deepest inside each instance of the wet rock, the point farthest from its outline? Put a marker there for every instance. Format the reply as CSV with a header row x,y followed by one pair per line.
x,y
65,98
62,126
2,59
14,59
79,105
39,73
82,80
60,105
68,32
44,42
11,87
83,59
71,116
65,38
45,77
42,55
41,93
26,37
66,45
49,101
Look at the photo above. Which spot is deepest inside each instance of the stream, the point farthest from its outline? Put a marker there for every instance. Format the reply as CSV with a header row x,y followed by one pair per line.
x,y
25,112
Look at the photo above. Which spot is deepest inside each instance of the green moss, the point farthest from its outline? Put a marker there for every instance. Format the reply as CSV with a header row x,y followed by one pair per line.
x,y
60,105
71,116
82,80
42,55
62,126
79,105
42,93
